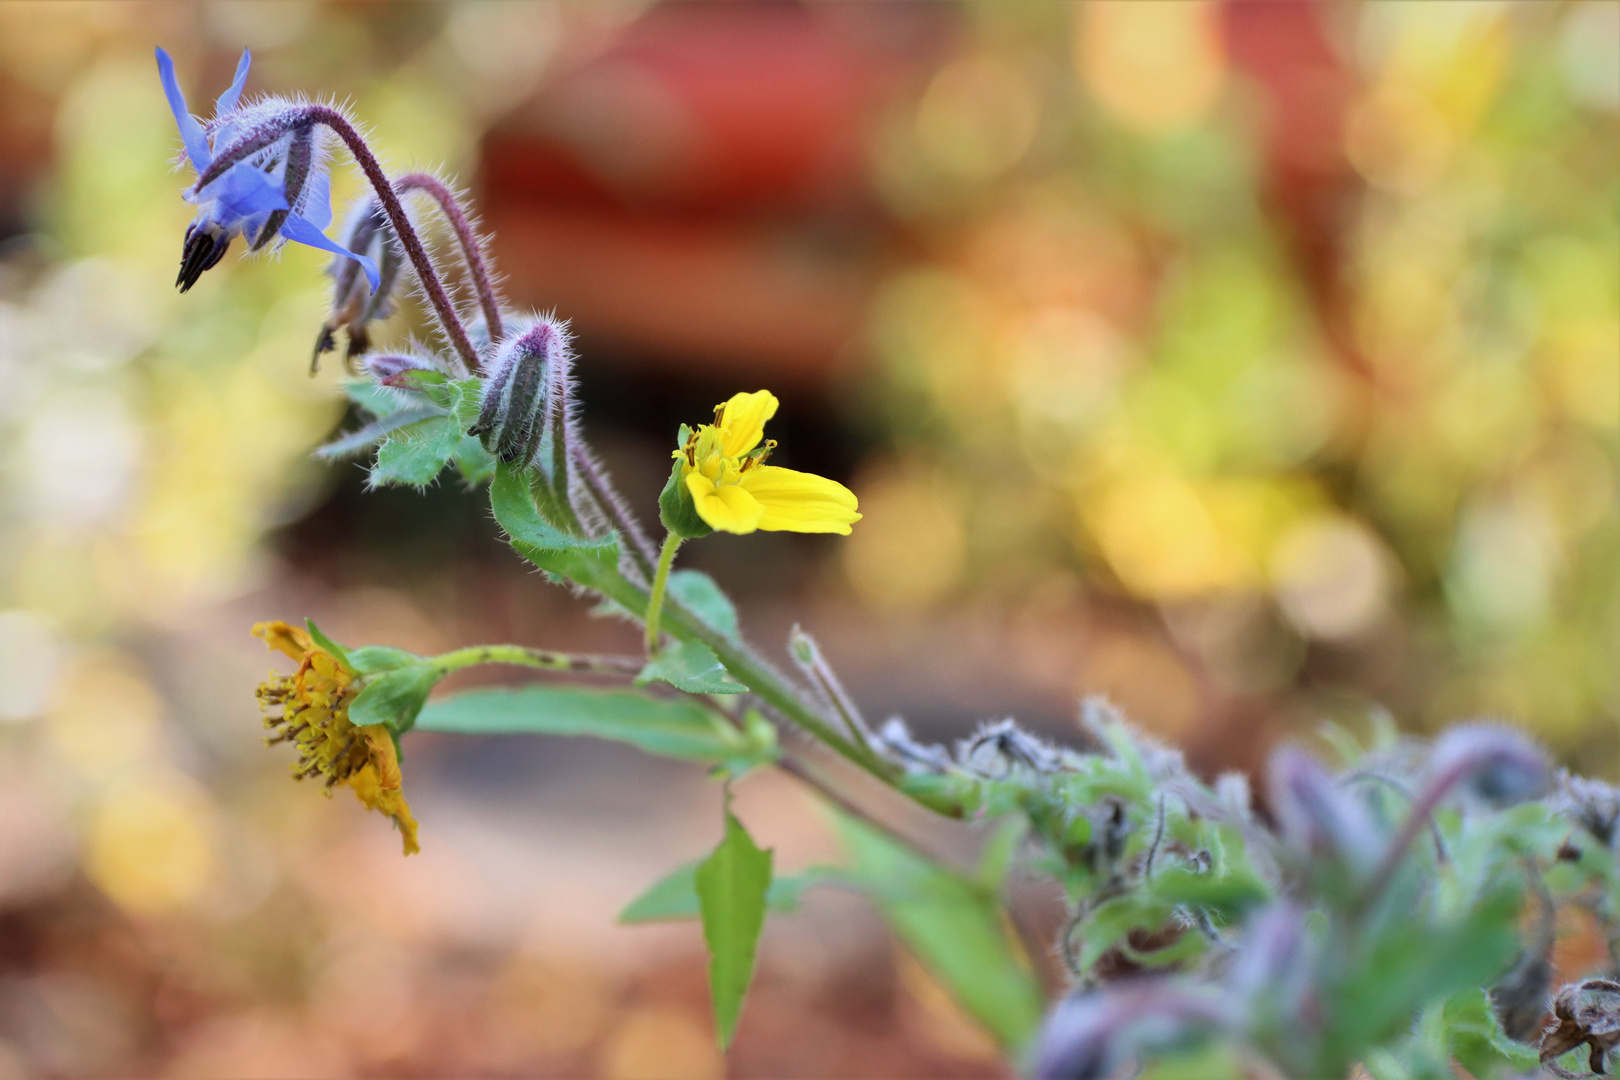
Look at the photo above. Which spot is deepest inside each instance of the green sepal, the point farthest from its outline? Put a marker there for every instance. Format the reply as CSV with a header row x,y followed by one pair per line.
x,y
396,697
375,659
731,885
330,646
674,896
690,666
677,510
578,558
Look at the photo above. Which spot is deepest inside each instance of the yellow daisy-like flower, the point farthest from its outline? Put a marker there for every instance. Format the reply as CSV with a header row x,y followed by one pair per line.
x,y
724,470
310,709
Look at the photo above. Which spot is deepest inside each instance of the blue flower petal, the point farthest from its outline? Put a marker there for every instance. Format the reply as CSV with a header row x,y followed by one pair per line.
x,y
227,100
243,192
296,228
191,132
317,208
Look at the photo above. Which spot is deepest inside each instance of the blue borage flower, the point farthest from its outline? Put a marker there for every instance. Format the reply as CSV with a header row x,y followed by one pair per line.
x,y
280,192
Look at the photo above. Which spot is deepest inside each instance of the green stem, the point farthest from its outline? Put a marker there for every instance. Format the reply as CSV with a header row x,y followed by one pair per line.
x,y
655,600
543,659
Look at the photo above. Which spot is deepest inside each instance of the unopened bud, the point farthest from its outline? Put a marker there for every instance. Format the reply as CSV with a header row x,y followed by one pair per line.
x,y
1317,815
355,305
526,391
1493,764
1271,973
1591,804
997,748
1093,1036
894,742
391,369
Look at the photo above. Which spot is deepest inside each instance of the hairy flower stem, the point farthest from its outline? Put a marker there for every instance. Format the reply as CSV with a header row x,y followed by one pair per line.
x,y
472,251
807,654
615,509
541,659
655,601
308,115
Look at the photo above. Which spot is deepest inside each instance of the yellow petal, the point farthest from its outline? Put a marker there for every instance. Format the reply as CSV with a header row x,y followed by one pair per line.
x,y
728,507
800,501
292,640
742,424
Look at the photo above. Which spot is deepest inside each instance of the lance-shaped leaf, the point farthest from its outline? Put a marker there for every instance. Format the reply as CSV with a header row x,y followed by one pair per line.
x,y
731,887
675,895
955,926
680,728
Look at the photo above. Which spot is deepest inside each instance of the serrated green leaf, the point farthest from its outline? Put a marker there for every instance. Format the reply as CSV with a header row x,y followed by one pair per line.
x,y
675,896
681,728
731,886
954,927
376,400
699,594
690,666
355,441
415,454
395,697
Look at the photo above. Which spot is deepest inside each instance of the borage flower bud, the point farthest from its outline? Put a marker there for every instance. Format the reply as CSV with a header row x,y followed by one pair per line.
x,y
1094,1036
391,369
310,709
355,304
1495,765
1318,816
526,392
894,742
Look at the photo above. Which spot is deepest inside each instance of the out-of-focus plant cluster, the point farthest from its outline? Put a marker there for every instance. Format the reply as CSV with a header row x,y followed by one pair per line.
x,y
1303,333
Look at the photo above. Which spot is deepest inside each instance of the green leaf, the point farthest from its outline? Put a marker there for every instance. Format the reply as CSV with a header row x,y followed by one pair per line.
x,y
354,441
996,858
514,509
690,666
330,646
395,697
379,400
474,462
675,895
415,454
698,593
731,886
682,728
954,927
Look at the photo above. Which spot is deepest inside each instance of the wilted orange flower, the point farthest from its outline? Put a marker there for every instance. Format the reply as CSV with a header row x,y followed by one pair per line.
x,y
310,709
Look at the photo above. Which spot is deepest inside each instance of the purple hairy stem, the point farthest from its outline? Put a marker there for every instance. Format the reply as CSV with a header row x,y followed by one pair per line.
x,y
617,511
472,249
1504,765
262,135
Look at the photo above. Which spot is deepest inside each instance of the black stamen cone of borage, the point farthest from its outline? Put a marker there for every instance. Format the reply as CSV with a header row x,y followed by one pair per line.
x,y
203,249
